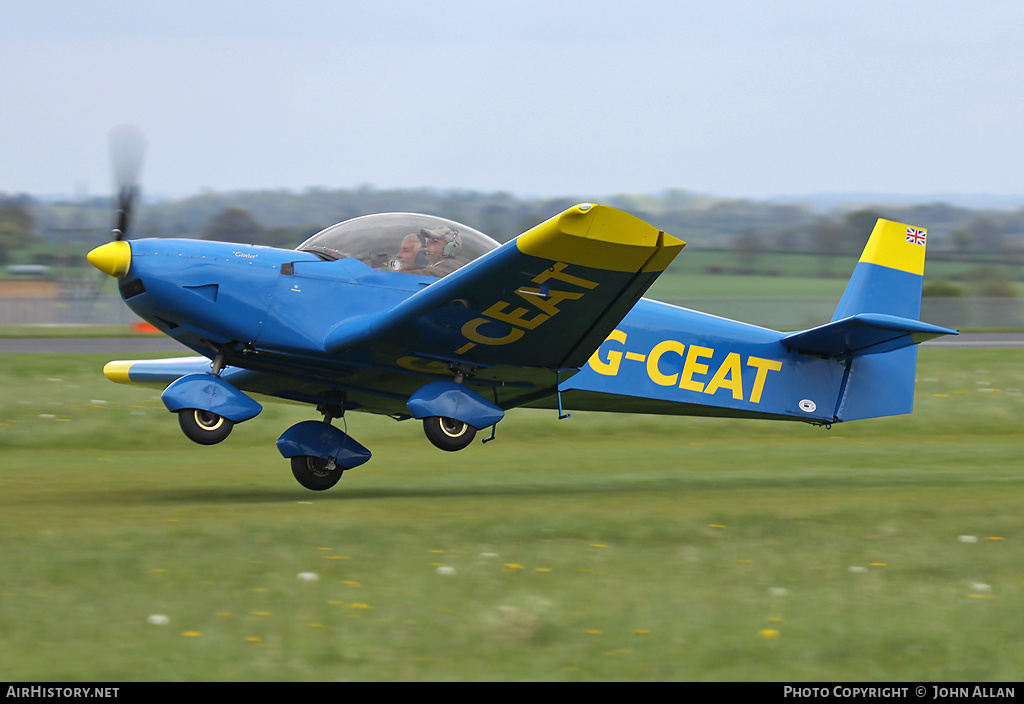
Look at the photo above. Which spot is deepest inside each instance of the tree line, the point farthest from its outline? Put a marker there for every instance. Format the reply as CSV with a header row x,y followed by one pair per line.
x,y
285,218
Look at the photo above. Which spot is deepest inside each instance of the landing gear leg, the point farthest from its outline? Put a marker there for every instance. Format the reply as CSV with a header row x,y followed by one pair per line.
x,y
319,452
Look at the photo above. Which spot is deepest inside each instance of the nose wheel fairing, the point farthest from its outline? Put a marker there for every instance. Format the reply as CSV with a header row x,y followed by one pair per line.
x,y
313,438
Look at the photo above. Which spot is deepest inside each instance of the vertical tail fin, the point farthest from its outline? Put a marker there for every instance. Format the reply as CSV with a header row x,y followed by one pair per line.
x,y
876,327
889,275
888,280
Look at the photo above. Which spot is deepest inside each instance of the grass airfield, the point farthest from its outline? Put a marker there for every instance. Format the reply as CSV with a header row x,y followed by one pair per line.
x,y
605,547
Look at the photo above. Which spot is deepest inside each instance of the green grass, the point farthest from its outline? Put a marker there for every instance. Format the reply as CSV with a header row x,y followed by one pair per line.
x,y
605,547
29,331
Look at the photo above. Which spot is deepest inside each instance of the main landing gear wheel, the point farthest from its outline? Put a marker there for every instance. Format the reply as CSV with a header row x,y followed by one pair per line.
x,y
447,433
316,473
204,427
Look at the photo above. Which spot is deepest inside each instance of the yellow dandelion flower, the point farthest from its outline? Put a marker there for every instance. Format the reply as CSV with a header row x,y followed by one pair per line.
x,y
598,545
768,633
594,632
192,634
262,613
360,606
641,632
543,569
512,566
253,639
436,552
992,537
715,525
158,570
879,564
335,557
351,583
775,619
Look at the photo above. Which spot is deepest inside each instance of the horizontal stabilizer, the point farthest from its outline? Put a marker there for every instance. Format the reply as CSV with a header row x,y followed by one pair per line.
x,y
863,334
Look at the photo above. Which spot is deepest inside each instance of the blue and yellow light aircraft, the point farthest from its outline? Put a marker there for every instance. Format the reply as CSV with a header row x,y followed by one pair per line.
x,y
416,316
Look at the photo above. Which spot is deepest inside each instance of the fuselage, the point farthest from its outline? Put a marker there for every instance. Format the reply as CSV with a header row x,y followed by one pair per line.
x,y
416,316
270,311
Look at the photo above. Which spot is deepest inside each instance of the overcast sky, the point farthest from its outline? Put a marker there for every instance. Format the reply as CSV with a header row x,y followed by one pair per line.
x,y
543,97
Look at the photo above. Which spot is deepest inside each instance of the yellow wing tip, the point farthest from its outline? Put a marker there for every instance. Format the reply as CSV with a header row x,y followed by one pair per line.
x,y
614,240
898,246
118,371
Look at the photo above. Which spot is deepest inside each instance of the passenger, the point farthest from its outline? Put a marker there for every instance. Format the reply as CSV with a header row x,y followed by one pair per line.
x,y
441,246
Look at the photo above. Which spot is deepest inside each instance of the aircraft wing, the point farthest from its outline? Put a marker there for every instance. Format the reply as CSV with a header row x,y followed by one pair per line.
x,y
154,373
545,299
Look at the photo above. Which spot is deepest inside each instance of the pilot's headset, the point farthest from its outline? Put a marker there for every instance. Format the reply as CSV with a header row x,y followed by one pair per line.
x,y
452,241
421,255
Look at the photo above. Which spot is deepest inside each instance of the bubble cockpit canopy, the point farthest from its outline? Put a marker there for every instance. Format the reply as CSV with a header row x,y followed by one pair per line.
x,y
403,242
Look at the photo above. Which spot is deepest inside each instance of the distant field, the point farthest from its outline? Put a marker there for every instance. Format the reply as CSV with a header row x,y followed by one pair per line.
x,y
682,284
604,547
713,273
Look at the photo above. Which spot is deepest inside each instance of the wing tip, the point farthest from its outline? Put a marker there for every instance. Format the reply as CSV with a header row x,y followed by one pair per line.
x,y
118,371
615,240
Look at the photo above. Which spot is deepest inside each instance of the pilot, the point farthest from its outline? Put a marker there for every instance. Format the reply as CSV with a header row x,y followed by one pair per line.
x,y
409,253
430,252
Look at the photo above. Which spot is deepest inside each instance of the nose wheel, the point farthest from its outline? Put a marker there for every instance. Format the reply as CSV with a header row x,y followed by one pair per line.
x,y
316,473
447,433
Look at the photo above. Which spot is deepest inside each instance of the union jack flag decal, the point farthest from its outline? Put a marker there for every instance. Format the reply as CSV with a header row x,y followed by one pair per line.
x,y
916,236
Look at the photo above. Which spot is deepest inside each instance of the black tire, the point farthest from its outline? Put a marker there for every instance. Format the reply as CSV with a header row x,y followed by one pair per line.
x,y
204,427
447,433
312,473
